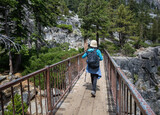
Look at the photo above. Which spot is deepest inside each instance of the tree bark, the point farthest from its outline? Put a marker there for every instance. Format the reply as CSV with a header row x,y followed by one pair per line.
x,y
7,34
10,63
97,36
18,63
111,34
120,39
85,44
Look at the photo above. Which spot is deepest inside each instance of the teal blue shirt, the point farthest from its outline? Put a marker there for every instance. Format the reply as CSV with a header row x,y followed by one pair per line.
x,y
98,53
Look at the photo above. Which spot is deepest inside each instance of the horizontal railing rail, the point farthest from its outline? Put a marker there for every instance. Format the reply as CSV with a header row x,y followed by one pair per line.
x,y
49,85
126,97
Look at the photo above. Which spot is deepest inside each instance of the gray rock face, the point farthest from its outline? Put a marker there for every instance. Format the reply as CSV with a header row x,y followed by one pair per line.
x,y
58,35
145,66
32,93
12,77
149,42
155,2
25,97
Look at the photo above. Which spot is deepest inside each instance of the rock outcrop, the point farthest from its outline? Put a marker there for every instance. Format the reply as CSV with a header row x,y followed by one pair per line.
x,y
59,35
142,71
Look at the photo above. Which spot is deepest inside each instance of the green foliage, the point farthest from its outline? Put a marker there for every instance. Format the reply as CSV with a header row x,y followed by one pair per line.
x,y
158,71
14,19
128,50
53,55
139,44
49,57
125,25
159,68
24,50
100,19
111,47
135,78
81,50
64,26
156,88
95,18
18,106
73,4
154,30
63,8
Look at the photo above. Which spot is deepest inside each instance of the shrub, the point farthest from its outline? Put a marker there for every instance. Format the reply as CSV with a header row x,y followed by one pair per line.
x,y
111,47
18,106
64,26
49,58
139,44
158,71
135,78
156,88
155,44
81,50
53,55
128,50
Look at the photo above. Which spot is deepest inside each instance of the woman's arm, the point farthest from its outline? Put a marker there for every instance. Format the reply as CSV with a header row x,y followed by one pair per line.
x,y
100,55
84,55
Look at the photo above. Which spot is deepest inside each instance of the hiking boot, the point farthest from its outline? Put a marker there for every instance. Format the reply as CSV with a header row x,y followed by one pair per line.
x,y
93,93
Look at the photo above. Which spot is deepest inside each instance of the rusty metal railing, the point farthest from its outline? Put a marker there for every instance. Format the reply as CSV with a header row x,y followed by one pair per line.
x,y
49,86
127,99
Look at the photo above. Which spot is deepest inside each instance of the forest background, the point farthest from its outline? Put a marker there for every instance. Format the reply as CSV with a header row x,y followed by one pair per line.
x,y
23,48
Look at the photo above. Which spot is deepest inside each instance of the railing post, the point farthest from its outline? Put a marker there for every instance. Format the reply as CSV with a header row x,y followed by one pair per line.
x,y
2,106
117,88
78,67
48,92
69,74
117,94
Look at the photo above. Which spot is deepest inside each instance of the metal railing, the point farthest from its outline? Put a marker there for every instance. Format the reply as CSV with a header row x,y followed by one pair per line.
x,y
50,85
127,99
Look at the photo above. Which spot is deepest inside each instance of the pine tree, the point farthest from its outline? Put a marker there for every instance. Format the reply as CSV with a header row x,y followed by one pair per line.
x,y
63,8
134,7
73,4
14,20
154,30
45,14
114,3
111,11
94,17
13,25
124,23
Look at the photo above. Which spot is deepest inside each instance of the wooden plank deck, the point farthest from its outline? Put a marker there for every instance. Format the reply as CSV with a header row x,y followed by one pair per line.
x,y
80,102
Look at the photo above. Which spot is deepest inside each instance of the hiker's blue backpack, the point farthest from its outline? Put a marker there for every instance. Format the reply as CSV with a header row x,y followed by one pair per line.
x,y
92,59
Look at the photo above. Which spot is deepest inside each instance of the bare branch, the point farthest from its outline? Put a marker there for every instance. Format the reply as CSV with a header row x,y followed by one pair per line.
x,y
6,39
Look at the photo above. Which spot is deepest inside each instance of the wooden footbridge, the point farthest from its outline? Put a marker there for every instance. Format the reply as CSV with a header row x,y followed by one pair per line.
x,y
63,89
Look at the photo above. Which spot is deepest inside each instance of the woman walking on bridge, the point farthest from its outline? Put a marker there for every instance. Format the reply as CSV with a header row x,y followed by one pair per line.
x,y
93,55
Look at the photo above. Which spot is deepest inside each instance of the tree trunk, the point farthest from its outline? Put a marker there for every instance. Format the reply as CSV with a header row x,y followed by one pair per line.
x,y
97,36
37,48
10,63
141,31
7,34
120,39
85,43
29,42
111,34
18,62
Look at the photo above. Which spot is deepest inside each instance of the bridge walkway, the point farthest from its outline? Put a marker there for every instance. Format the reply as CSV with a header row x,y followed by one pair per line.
x,y
80,102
